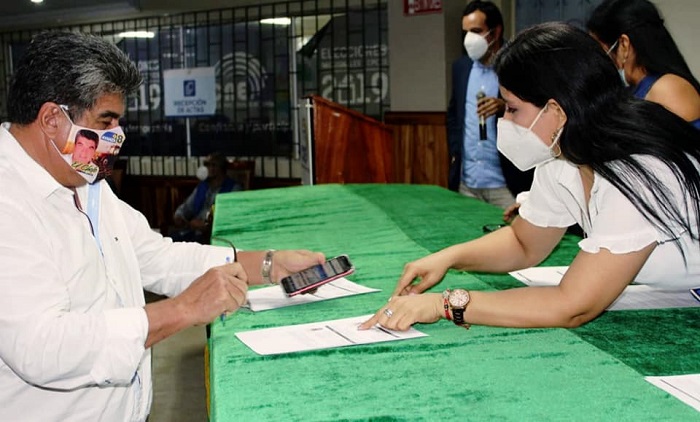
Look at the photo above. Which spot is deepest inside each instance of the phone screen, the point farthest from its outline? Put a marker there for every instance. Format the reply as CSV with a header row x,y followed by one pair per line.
x,y
317,275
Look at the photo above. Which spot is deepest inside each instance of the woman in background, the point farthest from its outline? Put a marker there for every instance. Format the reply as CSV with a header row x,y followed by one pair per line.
x,y
634,35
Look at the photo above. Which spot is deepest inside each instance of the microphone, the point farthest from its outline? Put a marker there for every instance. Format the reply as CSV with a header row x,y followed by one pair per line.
x,y
482,119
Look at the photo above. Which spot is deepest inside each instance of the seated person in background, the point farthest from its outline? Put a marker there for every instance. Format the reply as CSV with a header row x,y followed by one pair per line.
x,y
624,169
191,216
634,36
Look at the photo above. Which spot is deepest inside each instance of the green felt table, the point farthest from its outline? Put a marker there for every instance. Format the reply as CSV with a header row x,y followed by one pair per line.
x,y
595,372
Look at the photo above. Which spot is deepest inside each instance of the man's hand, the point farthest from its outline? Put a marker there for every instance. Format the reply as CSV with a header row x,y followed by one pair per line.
x,y
489,106
511,212
220,290
287,262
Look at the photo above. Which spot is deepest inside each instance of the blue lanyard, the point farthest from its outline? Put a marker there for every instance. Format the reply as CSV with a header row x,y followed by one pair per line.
x,y
93,212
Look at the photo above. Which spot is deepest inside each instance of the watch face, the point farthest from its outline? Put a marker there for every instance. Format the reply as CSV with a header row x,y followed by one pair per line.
x,y
459,298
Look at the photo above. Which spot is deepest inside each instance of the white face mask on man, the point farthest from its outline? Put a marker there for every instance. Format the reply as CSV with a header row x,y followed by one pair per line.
x,y
522,146
476,45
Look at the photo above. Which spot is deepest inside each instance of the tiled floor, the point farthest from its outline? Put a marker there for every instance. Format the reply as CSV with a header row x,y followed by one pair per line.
x,y
178,377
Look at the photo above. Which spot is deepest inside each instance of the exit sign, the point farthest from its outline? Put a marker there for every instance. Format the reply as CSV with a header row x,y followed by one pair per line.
x,y
420,7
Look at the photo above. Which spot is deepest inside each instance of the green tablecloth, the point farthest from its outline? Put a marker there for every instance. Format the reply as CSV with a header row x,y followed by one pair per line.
x,y
590,373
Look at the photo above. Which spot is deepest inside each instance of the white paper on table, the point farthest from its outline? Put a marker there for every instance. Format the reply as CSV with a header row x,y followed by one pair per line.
x,y
540,276
273,297
320,335
685,388
635,296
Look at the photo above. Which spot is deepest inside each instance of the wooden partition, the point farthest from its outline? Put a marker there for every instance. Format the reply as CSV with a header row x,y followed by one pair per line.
x,y
349,147
157,197
420,147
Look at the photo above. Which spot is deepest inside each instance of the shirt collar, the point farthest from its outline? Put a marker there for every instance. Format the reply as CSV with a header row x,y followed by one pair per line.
x,y
482,66
35,176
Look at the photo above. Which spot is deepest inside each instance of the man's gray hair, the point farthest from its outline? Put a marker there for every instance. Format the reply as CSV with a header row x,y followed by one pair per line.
x,y
68,68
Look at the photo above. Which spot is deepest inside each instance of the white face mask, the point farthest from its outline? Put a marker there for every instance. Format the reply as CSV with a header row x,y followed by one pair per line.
x,y
476,45
202,173
522,146
620,71
91,152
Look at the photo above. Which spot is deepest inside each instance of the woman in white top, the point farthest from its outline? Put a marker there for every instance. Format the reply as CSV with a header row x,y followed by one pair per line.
x,y
602,159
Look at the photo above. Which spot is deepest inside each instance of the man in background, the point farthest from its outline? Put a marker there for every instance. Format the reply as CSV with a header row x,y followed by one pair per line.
x,y
191,216
476,168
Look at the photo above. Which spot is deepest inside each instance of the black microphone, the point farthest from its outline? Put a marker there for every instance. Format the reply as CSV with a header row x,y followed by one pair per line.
x,y
482,119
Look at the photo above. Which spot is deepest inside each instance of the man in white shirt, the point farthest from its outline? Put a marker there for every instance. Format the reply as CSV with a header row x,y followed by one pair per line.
x,y
75,332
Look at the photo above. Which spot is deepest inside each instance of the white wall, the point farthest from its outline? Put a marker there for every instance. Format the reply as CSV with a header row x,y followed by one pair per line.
x,y
417,61
421,52
682,18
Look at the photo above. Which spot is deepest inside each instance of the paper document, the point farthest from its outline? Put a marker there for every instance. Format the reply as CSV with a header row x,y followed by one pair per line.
x,y
635,296
540,276
320,335
274,297
686,388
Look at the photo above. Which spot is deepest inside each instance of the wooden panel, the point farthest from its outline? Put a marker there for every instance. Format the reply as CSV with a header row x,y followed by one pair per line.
x,y
420,142
157,197
350,147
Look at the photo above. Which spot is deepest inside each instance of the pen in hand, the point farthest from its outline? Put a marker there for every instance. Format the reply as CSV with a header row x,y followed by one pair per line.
x,y
228,261
223,316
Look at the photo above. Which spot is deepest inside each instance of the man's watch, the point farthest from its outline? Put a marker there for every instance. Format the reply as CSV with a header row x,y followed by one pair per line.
x,y
266,269
458,299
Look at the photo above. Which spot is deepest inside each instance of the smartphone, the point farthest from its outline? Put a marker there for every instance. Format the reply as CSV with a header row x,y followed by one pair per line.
x,y
315,276
696,293
488,228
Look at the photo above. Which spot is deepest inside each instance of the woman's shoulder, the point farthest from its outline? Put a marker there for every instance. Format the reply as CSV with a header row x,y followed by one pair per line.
x,y
677,95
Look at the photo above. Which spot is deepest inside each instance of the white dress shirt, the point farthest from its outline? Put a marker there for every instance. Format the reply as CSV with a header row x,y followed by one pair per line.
x,y
611,221
72,319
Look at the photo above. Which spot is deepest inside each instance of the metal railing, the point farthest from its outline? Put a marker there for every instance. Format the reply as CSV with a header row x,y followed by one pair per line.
x,y
266,58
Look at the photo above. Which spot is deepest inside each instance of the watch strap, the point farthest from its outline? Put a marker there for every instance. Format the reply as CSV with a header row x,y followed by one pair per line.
x,y
446,304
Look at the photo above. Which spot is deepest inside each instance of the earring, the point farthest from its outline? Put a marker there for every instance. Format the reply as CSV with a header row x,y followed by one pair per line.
x,y
555,135
554,139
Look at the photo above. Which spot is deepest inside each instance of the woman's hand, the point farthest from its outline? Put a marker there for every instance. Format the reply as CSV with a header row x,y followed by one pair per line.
x,y
511,212
403,311
430,270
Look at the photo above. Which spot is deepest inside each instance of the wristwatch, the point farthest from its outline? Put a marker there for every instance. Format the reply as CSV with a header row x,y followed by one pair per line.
x,y
266,269
458,299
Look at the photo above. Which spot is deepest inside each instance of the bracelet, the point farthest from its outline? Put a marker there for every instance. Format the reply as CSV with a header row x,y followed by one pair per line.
x,y
446,304
266,269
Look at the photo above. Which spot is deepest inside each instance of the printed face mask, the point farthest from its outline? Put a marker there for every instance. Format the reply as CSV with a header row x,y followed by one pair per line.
x,y
476,45
91,152
522,146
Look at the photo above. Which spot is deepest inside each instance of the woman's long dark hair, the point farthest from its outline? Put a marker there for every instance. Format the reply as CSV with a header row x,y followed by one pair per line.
x,y
640,20
607,128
